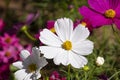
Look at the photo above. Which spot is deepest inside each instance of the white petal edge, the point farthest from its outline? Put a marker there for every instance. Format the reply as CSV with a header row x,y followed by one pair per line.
x,y
80,33
64,28
49,38
20,74
62,58
49,52
83,47
77,61
24,54
29,77
18,64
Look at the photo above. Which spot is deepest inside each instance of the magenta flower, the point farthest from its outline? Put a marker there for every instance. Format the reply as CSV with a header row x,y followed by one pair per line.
x,y
2,24
8,53
76,22
102,12
88,24
56,76
7,40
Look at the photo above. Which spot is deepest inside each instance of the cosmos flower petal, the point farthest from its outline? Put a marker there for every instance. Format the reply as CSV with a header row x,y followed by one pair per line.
x,y
49,52
49,38
113,4
38,75
64,28
98,5
83,48
20,74
50,24
61,57
34,76
42,62
93,16
36,53
77,61
29,77
80,33
117,10
18,64
24,54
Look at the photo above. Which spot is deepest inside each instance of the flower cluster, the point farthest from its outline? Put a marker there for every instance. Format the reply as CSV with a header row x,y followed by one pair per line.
x,y
9,52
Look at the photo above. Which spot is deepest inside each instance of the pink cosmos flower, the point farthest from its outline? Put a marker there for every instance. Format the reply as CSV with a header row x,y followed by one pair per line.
x,y
56,76
8,40
88,24
102,12
8,53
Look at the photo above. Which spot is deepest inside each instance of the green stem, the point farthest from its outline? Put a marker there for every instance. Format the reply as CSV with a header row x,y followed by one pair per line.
x,y
114,75
28,35
85,75
68,72
116,34
91,73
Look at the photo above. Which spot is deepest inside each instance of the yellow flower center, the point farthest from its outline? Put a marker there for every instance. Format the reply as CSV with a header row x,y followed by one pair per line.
x,y
67,45
83,23
7,40
52,30
7,54
32,67
110,13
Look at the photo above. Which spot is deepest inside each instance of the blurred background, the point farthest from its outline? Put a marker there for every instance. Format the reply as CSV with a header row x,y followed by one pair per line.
x,y
14,12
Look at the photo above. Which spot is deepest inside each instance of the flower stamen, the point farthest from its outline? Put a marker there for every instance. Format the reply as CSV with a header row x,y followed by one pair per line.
x,y
32,67
110,13
67,45
7,54
83,23
52,30
7,40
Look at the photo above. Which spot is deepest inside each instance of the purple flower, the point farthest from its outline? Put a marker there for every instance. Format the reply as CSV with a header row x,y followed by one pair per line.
x,y
88,24
7,40
56,76
103,77
8,53
10,48
76,22
102,12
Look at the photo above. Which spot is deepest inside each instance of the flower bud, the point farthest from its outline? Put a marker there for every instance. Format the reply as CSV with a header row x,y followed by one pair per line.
x,y
100,61
85,68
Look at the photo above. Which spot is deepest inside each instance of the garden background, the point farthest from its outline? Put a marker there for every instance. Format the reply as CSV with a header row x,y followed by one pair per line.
x,y
14,13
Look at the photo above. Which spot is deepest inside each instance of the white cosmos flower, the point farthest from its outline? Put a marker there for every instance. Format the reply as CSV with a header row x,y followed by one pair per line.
x,y
30,66
68,46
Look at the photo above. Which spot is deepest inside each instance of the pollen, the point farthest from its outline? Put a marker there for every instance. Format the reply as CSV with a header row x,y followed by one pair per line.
x,y
8,40
32,67
7,54
83,23
67,45
110,13
52,30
